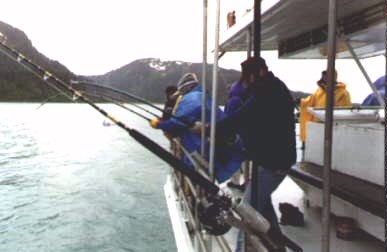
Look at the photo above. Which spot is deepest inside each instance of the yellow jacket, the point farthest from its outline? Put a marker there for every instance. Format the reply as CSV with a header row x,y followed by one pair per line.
x,y
318,99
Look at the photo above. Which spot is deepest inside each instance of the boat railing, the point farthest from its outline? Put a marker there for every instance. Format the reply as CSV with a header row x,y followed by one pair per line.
x,y
189,198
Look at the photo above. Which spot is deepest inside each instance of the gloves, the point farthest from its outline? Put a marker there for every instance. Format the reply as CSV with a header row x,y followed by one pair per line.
x,y
154,123
197,128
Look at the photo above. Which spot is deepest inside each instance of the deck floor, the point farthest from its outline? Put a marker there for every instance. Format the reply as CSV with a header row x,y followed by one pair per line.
x,y
309,236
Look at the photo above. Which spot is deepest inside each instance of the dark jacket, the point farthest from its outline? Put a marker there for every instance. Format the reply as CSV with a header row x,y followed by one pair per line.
x,y
266,124
168,108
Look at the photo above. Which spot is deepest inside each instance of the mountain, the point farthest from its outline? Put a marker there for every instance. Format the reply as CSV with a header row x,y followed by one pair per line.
x,y
146,78
17,83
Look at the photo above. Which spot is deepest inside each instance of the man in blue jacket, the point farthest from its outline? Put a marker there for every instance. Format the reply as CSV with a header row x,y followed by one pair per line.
x,y
188,110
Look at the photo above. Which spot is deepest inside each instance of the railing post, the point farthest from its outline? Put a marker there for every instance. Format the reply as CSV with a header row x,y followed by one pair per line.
x,y
385,128
257,53
204,79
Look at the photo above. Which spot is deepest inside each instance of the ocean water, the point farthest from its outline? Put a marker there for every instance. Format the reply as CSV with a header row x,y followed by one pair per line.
x,y
69,183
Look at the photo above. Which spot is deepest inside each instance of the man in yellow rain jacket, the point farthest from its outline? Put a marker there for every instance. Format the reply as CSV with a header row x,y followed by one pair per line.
x,y
318,99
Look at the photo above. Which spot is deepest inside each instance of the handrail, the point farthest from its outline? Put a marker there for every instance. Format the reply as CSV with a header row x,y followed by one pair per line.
x,y
222,242
195,226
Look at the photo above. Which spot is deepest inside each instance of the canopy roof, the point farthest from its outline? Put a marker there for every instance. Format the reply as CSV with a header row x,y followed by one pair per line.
x,y
298,29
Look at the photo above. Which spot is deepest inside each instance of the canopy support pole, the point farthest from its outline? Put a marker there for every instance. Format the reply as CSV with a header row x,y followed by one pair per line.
x,y
257,28
328,132
204,79
249,38
257,53
214,94
214,103
385,110
364,72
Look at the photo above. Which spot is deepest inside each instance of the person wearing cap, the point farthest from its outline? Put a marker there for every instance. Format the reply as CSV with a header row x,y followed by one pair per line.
x,y
266,125
318,99
188,110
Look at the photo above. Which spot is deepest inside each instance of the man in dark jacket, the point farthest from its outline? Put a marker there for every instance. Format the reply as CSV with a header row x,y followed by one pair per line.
x,y
266,125
266,121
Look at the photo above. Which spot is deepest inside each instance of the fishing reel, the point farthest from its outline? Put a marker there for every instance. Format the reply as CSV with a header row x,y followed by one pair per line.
x,y
212,213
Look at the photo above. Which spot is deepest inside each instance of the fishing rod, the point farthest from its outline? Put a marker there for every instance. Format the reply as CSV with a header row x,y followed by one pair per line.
x,y
134,97
126,108
20,57
114,100
202,165
144,109
47,76
114,90
217,209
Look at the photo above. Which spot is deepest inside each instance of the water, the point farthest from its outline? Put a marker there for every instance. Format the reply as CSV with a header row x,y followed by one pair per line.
x,y
68,183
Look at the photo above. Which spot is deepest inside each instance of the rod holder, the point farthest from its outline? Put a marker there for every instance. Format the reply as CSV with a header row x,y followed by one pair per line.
x,y
250,217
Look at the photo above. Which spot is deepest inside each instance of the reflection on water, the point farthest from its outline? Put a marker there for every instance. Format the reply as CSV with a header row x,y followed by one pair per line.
x,y
67,183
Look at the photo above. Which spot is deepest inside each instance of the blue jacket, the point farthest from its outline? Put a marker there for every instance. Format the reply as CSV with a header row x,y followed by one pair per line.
x,y
236,97
371,99
189,109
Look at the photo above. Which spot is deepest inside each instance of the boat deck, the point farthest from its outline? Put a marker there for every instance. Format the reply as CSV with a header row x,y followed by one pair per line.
x,y
308,237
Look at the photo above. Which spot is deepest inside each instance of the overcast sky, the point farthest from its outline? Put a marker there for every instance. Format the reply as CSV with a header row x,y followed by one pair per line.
x,y
96,36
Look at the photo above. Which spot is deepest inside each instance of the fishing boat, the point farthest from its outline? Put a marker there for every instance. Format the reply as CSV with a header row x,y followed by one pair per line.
x,y
207,216
219,210
342,180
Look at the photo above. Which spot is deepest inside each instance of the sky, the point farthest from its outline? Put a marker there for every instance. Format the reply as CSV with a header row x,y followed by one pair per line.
x,y
92,37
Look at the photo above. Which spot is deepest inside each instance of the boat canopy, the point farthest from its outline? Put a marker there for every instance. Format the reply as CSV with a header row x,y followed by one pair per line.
x,y
298,29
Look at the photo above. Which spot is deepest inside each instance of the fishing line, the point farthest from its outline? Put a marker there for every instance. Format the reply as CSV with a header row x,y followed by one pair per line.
x,y
144,109
46,100
126,108
152,146
112,99
134,97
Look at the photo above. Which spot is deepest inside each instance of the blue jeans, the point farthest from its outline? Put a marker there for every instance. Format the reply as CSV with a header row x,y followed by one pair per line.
x,y
268,181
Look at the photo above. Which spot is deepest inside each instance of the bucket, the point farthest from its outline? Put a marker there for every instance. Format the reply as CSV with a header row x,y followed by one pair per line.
x,y
346,228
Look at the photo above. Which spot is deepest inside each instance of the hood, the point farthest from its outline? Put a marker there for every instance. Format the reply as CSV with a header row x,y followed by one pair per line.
x,y
379,83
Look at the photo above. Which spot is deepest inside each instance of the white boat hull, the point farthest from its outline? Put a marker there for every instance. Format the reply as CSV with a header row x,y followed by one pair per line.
x,y
357,149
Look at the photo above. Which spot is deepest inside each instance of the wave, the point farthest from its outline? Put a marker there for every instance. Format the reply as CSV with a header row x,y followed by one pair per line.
x,y
52,217
7,217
